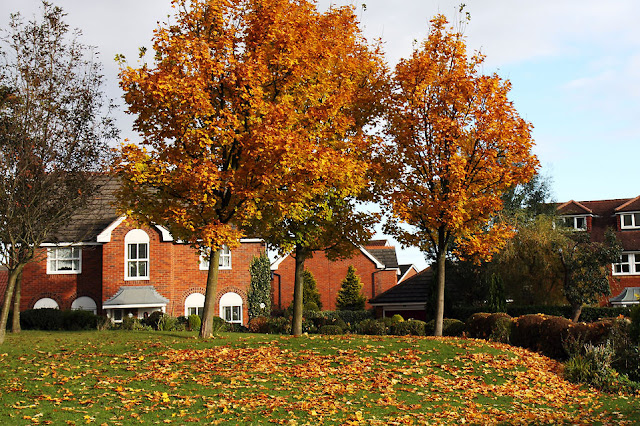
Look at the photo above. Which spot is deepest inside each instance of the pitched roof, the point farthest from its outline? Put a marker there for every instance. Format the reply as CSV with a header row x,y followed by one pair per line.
x,y
99,213
628,296
404,269
412,290
387,256
632,205
143,295
573,207
377,243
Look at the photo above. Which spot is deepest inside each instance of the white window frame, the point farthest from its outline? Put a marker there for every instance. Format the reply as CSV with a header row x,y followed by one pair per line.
x,y
225,259
575,220
632,263
84,303
136,237
194,304
46,303
231,308
54,258
635,220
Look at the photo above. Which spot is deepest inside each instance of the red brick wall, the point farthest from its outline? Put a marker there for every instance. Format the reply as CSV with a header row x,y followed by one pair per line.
x,y
63,288
174,271
329,276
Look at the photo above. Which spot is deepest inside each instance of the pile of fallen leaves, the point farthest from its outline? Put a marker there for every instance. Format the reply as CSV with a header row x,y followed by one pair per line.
x,y
309,380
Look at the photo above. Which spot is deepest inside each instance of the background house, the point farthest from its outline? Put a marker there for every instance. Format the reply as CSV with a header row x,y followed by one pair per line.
x,y
621,215
376,264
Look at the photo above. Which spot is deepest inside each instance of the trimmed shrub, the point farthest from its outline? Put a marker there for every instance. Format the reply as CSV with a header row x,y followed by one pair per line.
x,y
74,320
279,325
153,319
259,325
218,325
371,327
450,327
409,328
397,318
350,318
477,326
526,331
330,330
194,322
485,326
589,313
167,323
41,319
310,307
501,329
133,324
554,331
104,323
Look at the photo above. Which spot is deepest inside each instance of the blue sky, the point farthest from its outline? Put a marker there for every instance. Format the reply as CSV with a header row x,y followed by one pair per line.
x,y
574,66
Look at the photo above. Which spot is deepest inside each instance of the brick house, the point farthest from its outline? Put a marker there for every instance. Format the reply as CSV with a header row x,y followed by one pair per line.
x,y
376,264
119,268
623,216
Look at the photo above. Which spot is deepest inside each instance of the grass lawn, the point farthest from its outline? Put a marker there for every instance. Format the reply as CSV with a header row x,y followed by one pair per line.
x,y
118,377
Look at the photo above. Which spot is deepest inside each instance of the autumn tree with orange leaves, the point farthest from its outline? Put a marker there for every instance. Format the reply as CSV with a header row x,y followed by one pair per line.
x,y
456,144
244,96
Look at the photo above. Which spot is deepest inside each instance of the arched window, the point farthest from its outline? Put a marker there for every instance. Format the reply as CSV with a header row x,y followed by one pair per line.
x,y
231,307
46,303
84,303
194,304
137,255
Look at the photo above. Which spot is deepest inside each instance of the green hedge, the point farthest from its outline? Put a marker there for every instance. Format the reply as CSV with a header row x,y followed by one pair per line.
x,y
589,313
55,319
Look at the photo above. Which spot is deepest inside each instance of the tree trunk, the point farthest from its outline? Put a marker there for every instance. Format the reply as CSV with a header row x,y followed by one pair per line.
x,y
296,322
8,298
15,323
575,312
206,328
440,296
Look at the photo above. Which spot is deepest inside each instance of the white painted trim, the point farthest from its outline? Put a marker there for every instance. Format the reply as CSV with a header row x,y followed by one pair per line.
x,y
276,263
105,235
68,244
166,235
372,258
65,272
251,240
134,237
405,274
153,305
408,305
634,225
634,258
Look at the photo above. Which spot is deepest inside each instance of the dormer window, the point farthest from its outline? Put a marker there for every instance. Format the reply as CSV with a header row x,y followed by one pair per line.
x,y
630,220
578,223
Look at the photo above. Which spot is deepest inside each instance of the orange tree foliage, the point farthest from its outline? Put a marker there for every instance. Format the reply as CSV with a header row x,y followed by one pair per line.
x,y
456,144
243,96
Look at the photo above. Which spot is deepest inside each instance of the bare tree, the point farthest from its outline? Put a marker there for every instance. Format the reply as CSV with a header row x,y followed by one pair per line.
x,y
54,133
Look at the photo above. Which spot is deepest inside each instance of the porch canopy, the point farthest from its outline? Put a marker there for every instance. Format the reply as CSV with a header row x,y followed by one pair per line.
x,y
629,296
129,297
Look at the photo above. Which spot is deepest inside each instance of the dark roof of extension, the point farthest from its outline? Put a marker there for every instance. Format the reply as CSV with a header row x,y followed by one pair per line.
x,y
412,290
86,224
387,256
